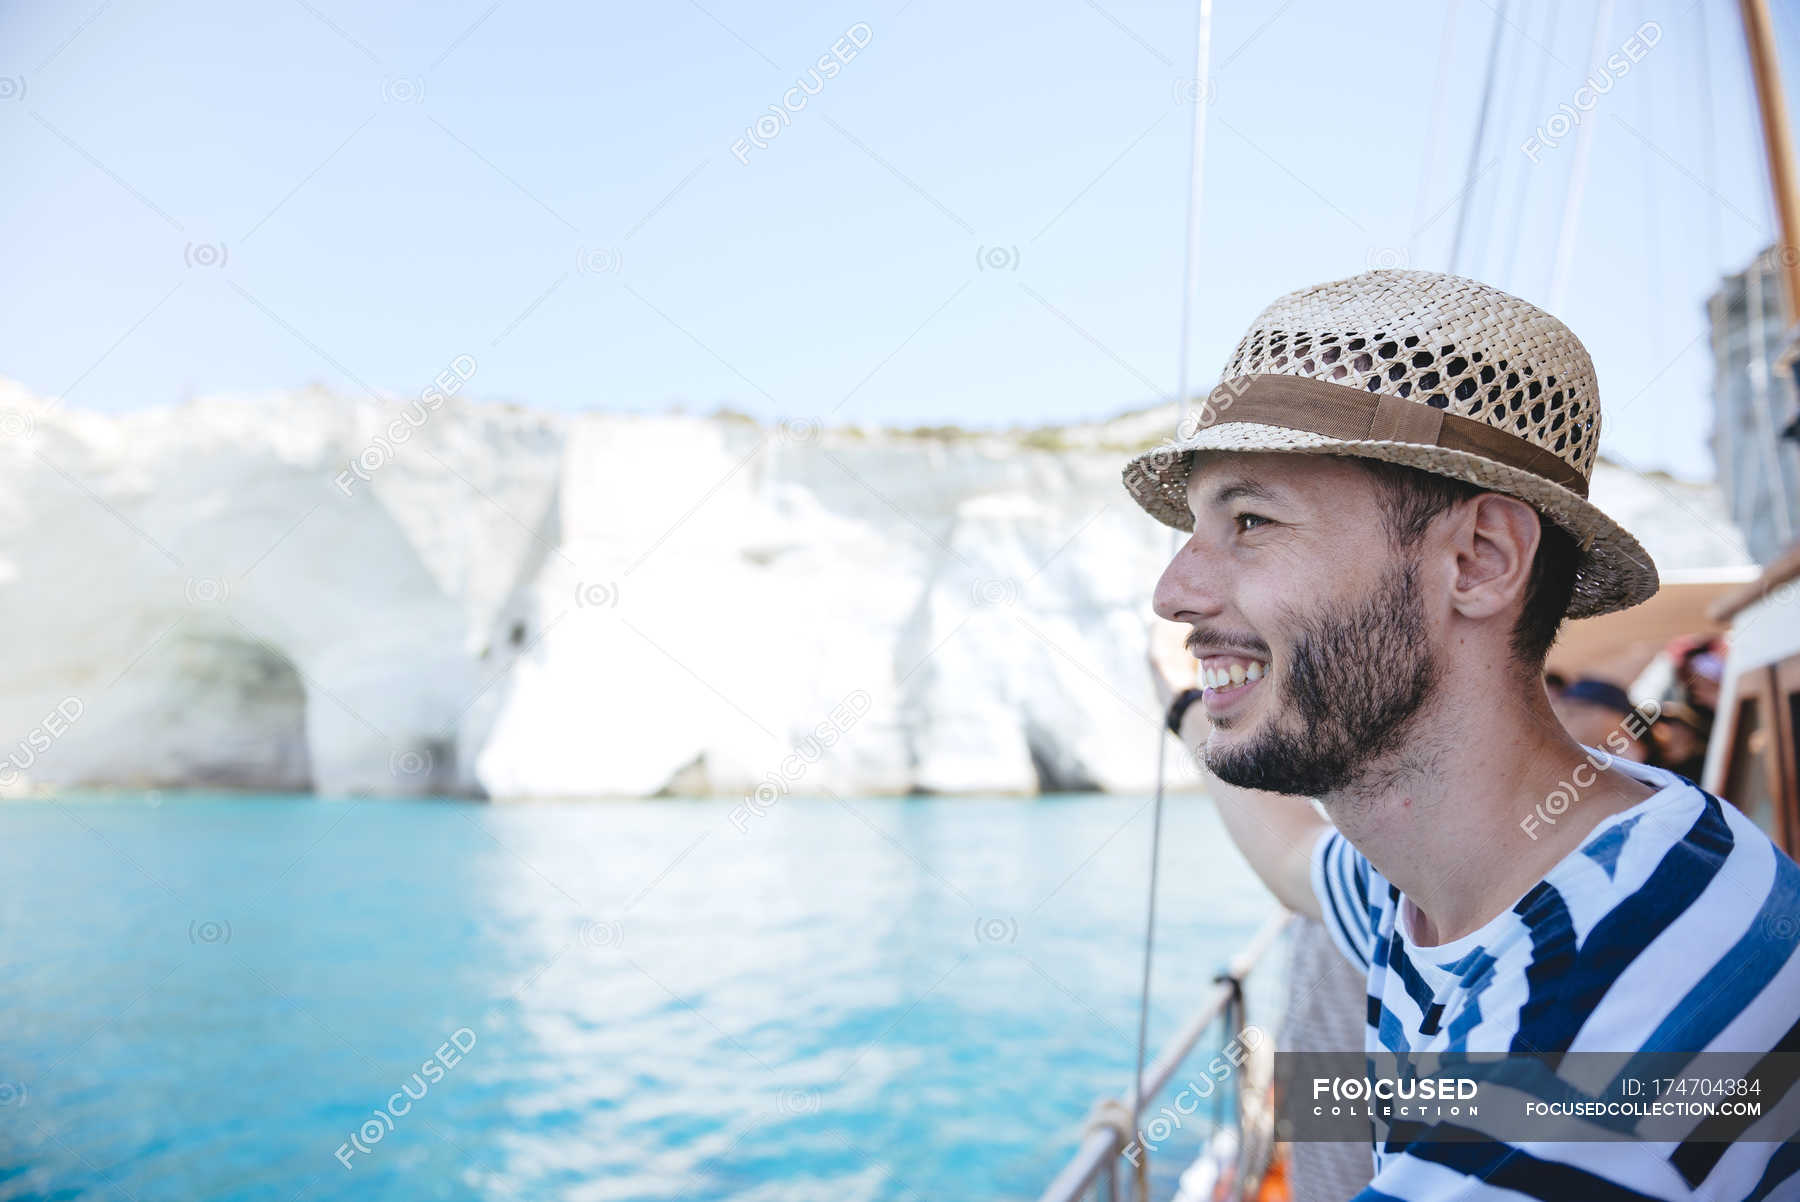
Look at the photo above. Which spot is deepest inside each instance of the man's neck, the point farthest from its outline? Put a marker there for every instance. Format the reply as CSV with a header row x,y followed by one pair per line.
x,y
1486,797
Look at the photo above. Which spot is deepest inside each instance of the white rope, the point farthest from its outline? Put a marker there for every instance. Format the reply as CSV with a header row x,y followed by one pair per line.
x,y
1484,244
1189,273
1653,282
1434,129
1709,171
1110,1114
1539,94
1584,141
1507,87
1480,140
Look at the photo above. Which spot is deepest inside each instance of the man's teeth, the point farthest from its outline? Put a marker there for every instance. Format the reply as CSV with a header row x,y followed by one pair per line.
x,y
1222,678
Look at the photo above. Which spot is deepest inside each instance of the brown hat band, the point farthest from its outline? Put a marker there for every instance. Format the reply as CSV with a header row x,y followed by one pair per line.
x,y
1341,411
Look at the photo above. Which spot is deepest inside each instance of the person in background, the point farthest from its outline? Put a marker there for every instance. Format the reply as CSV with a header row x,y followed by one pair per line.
x,y
1555,683
1699,667
1595,712
1680,733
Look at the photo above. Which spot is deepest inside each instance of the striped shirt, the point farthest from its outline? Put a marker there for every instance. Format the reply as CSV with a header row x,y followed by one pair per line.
x,y
1672,928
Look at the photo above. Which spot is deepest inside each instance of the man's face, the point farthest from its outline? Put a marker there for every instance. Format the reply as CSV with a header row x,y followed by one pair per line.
x,y
1310,626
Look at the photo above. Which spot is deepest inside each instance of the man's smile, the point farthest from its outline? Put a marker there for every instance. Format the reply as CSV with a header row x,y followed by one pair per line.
x,y
1225,671
1228,681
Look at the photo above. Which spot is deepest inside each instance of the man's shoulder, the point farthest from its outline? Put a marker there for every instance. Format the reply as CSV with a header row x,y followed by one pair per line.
x,y
1677,931
1684,856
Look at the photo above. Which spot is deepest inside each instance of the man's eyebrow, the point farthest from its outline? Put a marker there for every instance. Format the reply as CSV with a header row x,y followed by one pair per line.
x,y
1241,489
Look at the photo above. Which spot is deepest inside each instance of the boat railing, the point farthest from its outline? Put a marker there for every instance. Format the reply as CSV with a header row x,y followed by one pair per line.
x,y
1095,1165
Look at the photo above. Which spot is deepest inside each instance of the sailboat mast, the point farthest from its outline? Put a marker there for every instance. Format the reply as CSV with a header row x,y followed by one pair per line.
x,y
1778,143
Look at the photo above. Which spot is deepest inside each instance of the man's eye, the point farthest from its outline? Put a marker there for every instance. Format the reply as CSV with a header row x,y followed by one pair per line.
x,y
1247,522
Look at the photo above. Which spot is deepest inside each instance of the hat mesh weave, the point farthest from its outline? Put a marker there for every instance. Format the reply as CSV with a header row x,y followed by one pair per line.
x,y
1457,344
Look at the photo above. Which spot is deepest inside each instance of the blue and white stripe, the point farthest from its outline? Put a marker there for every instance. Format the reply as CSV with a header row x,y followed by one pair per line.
x,y
1673,928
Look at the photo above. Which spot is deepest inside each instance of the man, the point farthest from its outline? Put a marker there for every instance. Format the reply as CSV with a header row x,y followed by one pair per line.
x,y
1387,504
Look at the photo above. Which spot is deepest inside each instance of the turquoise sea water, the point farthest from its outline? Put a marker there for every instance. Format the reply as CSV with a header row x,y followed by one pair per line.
x,y
877,999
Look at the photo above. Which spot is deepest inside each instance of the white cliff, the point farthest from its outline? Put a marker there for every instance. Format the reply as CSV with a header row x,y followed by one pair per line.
x,y
518,604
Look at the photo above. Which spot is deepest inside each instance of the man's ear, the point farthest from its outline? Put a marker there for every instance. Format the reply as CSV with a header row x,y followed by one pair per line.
x,y
1495,546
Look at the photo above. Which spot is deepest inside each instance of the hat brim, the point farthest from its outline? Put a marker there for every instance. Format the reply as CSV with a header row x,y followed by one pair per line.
x,y
1615,571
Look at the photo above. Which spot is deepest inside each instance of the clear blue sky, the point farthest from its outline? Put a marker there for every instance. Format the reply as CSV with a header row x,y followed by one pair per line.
x,y
394,185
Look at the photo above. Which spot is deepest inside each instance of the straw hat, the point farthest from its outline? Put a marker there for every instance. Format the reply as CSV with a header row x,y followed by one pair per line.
x,y
1428,370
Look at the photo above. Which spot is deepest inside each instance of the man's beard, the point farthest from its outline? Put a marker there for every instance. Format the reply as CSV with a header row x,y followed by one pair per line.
x,y
1356,678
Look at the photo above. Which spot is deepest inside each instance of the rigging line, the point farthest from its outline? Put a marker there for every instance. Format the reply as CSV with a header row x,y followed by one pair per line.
x,y
1653,266
1434,130
1482,245
1189,272
1538,92
1481,127
1156,812
1709,170
1652,216
1584,141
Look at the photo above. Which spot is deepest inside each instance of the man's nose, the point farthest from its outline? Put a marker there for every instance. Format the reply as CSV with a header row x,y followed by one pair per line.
x,y
1191,586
